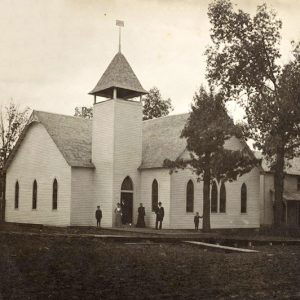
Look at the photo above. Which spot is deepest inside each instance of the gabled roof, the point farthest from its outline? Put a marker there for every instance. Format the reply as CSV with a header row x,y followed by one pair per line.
x,y
120,75
161,140
72,136
293,169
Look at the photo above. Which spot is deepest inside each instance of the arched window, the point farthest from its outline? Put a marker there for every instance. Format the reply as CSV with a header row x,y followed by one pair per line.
x,y
127,184
17,195
34,195
222,198
54,194
190,196
214,198
154,195
243,198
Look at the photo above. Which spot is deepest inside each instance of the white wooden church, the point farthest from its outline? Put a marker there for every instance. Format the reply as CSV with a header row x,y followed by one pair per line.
x,y
63,167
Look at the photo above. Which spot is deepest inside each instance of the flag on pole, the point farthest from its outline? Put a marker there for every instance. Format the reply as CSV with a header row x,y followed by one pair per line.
x,y
120,23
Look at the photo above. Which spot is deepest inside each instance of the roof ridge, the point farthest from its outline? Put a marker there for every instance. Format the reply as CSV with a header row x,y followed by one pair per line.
x,y
52,113
175,115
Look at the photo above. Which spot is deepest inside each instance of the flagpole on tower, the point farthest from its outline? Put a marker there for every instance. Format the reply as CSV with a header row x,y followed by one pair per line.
x,y
120,24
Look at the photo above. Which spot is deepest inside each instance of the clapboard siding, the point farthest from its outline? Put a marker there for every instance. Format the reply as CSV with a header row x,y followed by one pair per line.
x,y
127,148
164,190
102,157
84,203
38,158
268,203
179,217
233,217
290,184
116,152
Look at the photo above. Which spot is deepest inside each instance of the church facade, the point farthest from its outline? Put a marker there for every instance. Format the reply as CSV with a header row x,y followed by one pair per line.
x,y
63,167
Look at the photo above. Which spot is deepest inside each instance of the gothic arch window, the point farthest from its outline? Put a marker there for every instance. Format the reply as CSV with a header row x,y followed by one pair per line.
x,y
190,196
17,195
127,184
243,198
214,198
154,194
54,194
222,198
34,195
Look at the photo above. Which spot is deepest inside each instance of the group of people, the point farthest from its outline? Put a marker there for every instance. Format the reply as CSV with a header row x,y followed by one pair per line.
x,y
159,211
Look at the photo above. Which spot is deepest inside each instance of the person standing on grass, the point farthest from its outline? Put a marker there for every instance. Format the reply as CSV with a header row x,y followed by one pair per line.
x,y
196,220
160,213
98,216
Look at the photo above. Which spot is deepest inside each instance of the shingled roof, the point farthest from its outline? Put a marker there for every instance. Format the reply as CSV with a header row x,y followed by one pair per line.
x,y
119,75
161,140
292,169
72,136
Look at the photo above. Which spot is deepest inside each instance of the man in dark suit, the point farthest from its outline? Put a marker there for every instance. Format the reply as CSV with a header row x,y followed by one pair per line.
x,y
160,213
98,216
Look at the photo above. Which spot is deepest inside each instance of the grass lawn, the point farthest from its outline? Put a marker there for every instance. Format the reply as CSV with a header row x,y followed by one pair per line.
x,y
76,268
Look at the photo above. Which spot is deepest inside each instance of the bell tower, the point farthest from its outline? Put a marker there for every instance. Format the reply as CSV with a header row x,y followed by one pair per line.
x,y
116,135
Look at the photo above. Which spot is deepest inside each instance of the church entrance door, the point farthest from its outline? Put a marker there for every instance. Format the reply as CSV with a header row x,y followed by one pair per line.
x,y
127,206
127,200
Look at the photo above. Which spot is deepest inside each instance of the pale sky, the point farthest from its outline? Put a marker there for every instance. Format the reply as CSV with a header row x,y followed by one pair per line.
x,y
52,53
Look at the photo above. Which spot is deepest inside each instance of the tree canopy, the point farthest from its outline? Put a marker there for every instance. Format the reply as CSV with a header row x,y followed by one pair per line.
x,y
84,112
244,61
206,131
154,106
12,122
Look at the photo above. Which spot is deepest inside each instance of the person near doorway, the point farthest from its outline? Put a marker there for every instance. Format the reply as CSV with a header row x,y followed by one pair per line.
x,y
141,216
118,214
98,216
124,212
160,213
196,220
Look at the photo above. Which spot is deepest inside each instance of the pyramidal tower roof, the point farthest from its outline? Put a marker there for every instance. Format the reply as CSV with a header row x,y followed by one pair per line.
x,y
119,75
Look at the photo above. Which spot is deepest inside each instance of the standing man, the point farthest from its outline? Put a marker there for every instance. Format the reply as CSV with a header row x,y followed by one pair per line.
x,y
160,213
98,215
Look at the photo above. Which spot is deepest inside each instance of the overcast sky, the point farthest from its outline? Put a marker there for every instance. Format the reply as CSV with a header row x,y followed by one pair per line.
x,y
52,53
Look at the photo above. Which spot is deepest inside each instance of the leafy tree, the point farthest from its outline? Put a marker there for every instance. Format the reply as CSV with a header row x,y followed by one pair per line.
x,y
206,130
12,122
155,106
244,61
84,112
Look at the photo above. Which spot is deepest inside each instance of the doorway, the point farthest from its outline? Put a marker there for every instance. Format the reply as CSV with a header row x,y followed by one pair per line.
x,y
126,200
127,207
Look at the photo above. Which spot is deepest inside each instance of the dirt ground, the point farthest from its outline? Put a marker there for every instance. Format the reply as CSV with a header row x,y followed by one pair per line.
x,y
37,267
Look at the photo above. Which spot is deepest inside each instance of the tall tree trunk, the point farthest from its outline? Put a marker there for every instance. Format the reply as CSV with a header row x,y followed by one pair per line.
x,y
206,195
279,186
